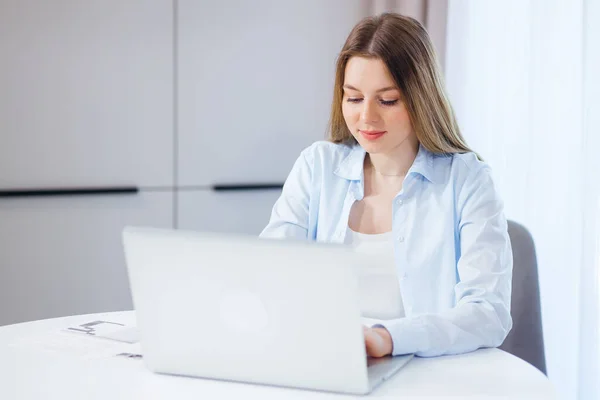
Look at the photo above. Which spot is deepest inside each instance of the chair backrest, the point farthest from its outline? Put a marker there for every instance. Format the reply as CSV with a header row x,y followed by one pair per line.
x,y
526,339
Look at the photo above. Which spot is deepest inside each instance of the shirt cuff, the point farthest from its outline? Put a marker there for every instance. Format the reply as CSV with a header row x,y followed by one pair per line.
x,y
409,335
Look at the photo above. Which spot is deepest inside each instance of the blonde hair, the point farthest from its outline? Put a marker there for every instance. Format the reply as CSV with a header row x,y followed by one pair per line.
x,y
403,44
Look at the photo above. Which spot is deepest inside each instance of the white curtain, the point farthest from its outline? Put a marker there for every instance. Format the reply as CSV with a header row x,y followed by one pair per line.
x,y
523,78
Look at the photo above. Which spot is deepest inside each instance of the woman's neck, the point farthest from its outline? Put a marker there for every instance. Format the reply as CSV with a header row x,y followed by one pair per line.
x,y
395,163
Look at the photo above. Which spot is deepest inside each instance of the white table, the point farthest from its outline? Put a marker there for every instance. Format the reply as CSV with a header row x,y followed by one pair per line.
x,y
39,361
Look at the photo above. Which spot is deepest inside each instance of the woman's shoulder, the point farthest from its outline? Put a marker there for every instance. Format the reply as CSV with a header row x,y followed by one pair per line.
x,y
459,165
468,162
459,171
469,174
325,154
325,148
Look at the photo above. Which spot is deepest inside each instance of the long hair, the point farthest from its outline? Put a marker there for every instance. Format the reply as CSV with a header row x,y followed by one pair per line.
x,y
403,44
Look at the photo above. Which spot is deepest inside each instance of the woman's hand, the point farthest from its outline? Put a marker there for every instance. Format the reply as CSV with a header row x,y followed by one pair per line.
x,y
378,342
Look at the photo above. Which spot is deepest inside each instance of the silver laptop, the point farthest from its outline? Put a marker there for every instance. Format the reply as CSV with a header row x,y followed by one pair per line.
x,y
239,308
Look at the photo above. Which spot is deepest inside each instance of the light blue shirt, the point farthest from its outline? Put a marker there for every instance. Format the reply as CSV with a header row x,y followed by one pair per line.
x,y
452,251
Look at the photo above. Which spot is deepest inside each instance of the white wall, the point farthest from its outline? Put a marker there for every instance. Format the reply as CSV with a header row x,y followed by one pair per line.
x,y
86,100
171,97
86,93
254,88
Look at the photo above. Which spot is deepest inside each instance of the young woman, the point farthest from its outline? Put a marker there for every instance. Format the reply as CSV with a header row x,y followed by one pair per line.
x,y
396,180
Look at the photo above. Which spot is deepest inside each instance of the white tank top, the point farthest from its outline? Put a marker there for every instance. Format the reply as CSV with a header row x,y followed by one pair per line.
x,y
379,288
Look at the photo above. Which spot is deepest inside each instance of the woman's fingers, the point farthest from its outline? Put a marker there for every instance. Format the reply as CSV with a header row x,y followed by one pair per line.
x,y
376,343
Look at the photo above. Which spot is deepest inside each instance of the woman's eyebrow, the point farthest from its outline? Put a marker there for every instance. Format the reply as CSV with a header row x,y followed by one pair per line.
x,y
385,89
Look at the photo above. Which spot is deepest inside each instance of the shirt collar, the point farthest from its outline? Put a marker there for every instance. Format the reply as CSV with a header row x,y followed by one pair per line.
x,y
352,166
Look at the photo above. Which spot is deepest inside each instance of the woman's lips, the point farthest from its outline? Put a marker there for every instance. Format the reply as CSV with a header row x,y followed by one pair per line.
x,y
372,135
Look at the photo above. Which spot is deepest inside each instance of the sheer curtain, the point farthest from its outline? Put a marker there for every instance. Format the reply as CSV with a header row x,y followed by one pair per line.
x,y
523,79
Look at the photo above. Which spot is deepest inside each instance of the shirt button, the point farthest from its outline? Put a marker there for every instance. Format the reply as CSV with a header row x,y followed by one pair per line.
x,y
401,239
400,202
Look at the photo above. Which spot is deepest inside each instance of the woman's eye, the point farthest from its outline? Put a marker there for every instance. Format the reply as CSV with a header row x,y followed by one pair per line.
x,y
382,102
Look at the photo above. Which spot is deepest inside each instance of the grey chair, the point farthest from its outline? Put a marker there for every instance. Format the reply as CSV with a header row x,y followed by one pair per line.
x,y
526,339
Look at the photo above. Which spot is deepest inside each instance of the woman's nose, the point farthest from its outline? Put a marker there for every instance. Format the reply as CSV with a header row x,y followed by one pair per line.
x,y
369,112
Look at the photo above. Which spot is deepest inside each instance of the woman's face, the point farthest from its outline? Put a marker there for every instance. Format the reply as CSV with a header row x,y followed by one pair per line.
x,y
372,106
